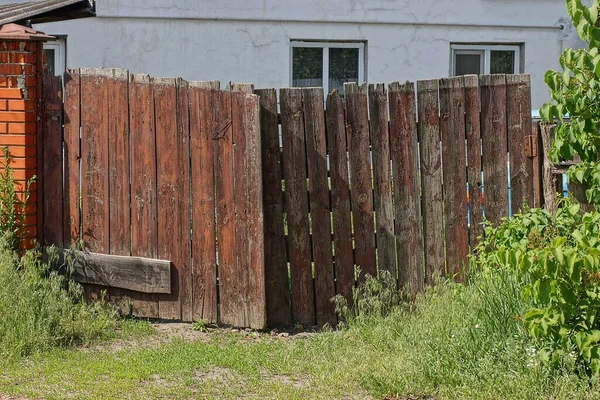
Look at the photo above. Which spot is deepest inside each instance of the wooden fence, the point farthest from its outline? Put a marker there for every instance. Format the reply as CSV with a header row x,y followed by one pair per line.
x,y
383,178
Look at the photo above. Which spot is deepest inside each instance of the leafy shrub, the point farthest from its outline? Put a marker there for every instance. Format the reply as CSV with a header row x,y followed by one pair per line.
x,y
557,260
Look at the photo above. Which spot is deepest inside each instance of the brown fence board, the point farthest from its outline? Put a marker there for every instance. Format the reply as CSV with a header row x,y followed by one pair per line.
x,y
95,164
72,151
144,228
169,191
406,182
382,175
340,195
316,152
473,136
538,161
518,115
452,130
224,191
202,123
296,205
118,178
431,175
494,143
357,125
276,270
52,171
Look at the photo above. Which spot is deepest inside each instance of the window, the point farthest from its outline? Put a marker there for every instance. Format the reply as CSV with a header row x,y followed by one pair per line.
x,y
485,59
327,65
55,56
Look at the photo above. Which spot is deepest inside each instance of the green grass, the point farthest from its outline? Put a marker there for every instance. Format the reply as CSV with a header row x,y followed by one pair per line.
x,y
459,343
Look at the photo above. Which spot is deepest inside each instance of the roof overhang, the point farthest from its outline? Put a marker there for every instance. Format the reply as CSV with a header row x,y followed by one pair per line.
x,y
38,12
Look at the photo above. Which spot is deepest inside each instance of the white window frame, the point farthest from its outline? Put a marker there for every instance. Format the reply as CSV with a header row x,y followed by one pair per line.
x,y
326,46
60,51
486,50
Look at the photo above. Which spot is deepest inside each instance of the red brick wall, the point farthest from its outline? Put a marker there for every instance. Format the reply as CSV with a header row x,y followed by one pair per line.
x,y
20,88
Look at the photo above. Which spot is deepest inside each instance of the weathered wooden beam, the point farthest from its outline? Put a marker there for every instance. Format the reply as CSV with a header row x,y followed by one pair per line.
x,y
139,274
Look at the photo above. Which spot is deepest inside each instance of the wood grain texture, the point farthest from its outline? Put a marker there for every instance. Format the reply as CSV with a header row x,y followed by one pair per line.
x,y
296,205
538,163
454,162
72,156
357,125
494,143
382,176
340,195
204,256
52,171
473,136
276,269
551,184
431,176
318,190
518,114
406,182
144,227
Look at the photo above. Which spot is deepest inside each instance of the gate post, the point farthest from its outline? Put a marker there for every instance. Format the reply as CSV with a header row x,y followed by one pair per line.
x,y
21,67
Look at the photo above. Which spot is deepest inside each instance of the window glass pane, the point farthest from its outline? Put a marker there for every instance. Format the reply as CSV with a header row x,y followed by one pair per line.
x,y
49,60
343,67
307,67
467,64
502,62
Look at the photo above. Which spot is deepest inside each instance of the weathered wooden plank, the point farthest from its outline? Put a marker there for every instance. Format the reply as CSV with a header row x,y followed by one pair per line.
x,y
340,195
357,125
318,188
144,228
184,217
169,190
72,152
249,228
452,131
494,143
222,136
52,173
518,114
95,164
551,183
431,176
118,179
406,182
202,123
296,205
140,274
382,175
276,270
473,136
247,88
205,84
538,195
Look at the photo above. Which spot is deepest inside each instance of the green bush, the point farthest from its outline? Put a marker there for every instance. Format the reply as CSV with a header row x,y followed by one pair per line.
x,y
557,261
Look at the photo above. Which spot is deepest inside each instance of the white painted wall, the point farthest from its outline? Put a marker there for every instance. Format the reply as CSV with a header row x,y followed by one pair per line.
x,y
249,41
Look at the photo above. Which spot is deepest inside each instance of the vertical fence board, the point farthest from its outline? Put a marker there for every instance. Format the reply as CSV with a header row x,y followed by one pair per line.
x,y
494,143
169,191
431,175
72,151
357,123
222,136
118,178
340,196
52,172
276,271
406,182
144,228
202,123
316,151
382,175
95,164
518,115
538,161
452,129
184,230
296,205
473,136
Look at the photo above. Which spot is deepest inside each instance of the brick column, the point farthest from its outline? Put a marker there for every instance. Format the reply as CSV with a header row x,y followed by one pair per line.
x,y
20,110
